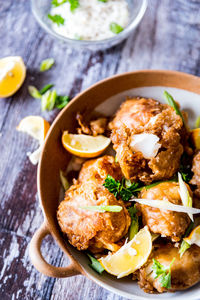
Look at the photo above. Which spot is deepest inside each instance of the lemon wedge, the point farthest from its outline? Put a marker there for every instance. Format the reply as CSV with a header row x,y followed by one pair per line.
x,y
12,75
195,135
129,257
194,237
37,127
84,145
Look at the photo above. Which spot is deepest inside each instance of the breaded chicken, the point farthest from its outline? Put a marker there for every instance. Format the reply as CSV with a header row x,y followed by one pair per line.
x,y
88,229
98,169
94,128
196,170
185,270
165,222
157,121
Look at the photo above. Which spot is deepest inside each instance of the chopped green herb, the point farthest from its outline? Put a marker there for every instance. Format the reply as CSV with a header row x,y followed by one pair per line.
x,y
95,264
46,64
46,88
164,273
61,101
64,181
74,4
33,91
56,19
48,100
56,3
103,208
133,230
103,1
172,103
116,28
197,122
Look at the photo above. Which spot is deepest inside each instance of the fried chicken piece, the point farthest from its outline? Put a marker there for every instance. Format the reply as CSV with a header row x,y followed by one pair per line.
x,y
165,222
155,120
196,170
98,169
185,270
88,229
94,128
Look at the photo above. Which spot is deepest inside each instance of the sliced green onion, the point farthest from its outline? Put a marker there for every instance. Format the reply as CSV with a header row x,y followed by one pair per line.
x,y
34,92
116,28
46,88
64,181
134,228
184,194
46,64
95,264
48,100
184,247
103,208
172,103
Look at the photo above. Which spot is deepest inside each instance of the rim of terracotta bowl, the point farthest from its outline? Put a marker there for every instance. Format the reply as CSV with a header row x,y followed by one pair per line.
x,y
142,78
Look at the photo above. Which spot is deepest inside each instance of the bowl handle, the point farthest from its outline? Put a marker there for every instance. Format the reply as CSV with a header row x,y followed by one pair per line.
x,y
39,262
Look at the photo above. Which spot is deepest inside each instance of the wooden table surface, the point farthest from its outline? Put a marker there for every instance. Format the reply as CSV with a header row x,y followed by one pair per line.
x,y
167,38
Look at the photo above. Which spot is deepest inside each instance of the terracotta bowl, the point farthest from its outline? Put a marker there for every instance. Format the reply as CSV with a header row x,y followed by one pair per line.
x,y
103,97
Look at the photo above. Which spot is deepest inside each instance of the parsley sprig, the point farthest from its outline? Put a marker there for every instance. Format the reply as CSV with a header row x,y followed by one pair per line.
x,y
120,189
164,273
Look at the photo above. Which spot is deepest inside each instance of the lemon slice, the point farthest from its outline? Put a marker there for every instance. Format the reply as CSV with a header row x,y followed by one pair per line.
x,y
12,75
35,126
84,145
129,257
194,237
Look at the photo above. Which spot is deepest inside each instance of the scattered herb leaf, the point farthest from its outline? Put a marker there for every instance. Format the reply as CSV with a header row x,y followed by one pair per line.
x,y
164,273
103,1
56,3
46,88
56,19
103,208
197,122
74,4
95,264
133,230
61,101
170,101
46,64
33,91
116,28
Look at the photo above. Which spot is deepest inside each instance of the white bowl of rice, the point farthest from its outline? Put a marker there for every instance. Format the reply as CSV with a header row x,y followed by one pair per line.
x,y
92,24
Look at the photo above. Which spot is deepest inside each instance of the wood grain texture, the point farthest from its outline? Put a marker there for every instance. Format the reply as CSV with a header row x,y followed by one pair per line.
x,y
167,38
